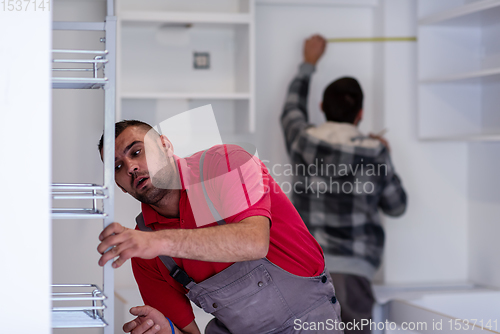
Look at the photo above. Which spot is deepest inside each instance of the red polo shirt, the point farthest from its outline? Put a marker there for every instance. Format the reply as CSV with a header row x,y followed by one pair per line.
x,y
236,196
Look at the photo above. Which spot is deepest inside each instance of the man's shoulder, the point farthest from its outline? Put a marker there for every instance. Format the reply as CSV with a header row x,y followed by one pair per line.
x,y
220,159
342,134
232,154
220,150
230,149
327,143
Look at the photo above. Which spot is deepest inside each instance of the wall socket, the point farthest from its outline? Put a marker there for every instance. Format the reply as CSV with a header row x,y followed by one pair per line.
x,y
201,60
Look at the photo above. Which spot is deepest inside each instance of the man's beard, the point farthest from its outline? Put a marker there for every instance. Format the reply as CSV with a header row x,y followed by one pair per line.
x,y
162,183
152,196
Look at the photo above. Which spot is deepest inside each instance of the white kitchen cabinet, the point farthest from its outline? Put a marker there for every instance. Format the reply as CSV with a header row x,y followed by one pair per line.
x,y
77,305
158,43
459,70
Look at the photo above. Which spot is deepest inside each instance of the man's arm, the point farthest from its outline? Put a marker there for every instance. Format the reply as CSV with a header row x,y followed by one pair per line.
x,y
294,117
393,197
243,241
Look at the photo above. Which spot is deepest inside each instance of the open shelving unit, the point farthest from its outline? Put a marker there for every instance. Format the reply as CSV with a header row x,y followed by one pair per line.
x,y
462,13
466,77
459,70
86,305
157,42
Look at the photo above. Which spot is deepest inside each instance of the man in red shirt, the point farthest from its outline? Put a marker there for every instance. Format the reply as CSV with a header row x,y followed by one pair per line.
x,y
221,233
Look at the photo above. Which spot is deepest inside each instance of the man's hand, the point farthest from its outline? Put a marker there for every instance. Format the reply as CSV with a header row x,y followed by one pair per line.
x,y
126,243
149,321
314,47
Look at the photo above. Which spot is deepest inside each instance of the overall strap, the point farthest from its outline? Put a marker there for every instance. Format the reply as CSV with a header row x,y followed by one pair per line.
x,y
176,272
211,206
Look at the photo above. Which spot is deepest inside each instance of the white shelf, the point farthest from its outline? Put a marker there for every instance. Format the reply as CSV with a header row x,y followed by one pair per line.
x,y
465,137
185,96
87,63
78,213
78,83
352,3
183,6
467,76
78,191
77,306
75,319
464,15
459,71
184,17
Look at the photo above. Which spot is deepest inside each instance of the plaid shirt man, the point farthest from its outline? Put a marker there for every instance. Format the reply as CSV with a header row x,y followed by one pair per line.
x,y
341,179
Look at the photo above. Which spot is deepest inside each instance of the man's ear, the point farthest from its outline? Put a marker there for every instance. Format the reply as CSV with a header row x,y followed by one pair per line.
x,y
321,107
359,117
167,145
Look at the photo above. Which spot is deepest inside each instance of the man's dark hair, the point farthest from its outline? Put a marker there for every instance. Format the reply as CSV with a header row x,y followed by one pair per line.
x,y
342,100
121,126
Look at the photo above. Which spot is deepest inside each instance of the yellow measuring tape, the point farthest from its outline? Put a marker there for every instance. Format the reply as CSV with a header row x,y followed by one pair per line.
x,y
372,39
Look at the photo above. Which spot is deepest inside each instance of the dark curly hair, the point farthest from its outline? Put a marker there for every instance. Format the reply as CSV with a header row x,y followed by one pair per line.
x,y
342,100
121,126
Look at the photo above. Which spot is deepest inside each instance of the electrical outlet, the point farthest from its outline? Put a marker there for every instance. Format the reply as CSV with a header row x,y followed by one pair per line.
x,y
201,60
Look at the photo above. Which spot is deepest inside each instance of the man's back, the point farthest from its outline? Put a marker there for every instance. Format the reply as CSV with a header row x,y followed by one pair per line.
x,y
341,180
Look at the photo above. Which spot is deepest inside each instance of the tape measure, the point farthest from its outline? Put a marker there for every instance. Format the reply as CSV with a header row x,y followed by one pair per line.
x,y
372,39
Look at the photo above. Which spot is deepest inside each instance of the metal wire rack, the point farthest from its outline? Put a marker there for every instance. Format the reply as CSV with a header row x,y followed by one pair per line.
x,y
77,306
79,191
82,305
77,64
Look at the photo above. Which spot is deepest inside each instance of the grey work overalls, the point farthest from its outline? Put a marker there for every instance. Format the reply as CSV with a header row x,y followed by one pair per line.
x,y
257,297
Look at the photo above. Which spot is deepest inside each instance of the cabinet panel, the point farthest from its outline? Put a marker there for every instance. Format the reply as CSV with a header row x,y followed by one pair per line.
x,y
160,58
212,6
449,110
191,51
459,70
445,51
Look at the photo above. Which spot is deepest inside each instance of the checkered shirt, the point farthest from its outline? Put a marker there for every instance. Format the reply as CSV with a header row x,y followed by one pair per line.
x,y
339,185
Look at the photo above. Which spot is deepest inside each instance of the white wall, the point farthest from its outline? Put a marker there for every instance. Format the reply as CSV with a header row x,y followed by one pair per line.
x,y
25,202
484,210
429,243
280,33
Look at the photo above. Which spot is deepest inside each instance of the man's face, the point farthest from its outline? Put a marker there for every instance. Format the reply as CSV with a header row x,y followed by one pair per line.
x,y
132,175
